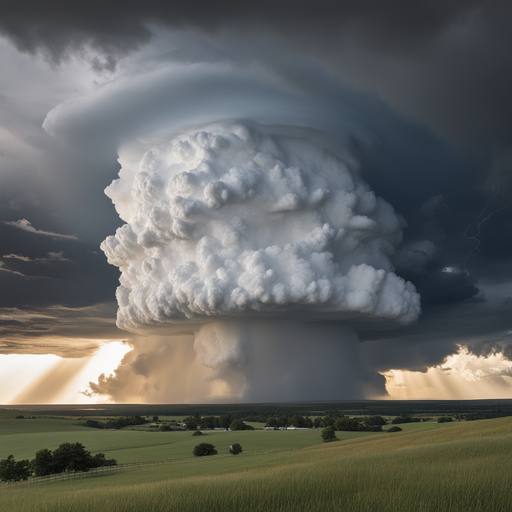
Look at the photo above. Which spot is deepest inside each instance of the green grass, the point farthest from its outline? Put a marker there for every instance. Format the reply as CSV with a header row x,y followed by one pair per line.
x,y
23,438
456,467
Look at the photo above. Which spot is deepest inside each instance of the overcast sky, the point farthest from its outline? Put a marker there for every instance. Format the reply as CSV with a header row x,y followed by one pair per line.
x,y
419,91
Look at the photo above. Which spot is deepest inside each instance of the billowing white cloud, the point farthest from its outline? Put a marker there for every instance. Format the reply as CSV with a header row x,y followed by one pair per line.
x,y
231,221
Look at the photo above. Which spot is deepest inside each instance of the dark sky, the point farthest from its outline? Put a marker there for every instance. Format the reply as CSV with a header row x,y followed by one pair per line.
x,y
420,91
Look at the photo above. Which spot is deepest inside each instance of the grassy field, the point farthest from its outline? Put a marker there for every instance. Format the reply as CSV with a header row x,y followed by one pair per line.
x,y
22,438
428,467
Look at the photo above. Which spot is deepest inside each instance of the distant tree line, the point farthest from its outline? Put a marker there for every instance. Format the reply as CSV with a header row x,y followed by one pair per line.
x,y
210,422
116,423
338,422
67,457
405,418
481,416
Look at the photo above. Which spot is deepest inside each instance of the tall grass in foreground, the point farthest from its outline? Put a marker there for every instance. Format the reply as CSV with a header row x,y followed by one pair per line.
x,y
457,473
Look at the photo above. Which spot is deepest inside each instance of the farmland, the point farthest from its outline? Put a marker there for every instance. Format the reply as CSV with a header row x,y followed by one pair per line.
x,y
428,466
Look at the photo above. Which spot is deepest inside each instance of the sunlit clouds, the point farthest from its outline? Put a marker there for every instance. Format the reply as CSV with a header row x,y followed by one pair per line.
x,y
462,376
47,378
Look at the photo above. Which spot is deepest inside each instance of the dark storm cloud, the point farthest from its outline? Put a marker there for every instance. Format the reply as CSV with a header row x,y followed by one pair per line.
x,y
47,269
57,26
482,326
442,61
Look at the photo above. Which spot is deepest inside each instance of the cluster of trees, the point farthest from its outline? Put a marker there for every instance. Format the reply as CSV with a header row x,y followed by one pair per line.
x,y
208,422
117,422
204,449
67,457
444,419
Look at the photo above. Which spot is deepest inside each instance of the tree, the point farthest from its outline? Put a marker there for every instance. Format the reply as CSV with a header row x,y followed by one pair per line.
x,y
190,423
237,425
271,422
235,449
203,449
394,429
14,471
328,434
43,463
197,433
283,421
72,457
297,421
225,421
155,419
165,428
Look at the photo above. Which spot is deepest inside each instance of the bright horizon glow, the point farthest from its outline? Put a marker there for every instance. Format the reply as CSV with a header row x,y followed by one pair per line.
x,y
463,376
58,380
54,379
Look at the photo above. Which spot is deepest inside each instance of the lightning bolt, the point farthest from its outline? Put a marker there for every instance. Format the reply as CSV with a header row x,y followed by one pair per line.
x,y
487,212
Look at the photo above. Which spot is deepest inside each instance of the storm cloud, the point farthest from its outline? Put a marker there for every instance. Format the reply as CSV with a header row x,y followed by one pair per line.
x,y
412,98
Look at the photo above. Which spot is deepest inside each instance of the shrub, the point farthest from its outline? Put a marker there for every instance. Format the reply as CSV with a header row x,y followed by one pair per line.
x,y
203,449
444,419
197,433
394,429
235,449
164,428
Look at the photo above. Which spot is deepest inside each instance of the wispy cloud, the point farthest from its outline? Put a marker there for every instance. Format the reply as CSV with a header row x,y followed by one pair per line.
x,y
51,256
21,274
25,225
10,271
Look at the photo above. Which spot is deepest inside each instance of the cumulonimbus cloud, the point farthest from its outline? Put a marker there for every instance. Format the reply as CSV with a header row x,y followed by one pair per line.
x,y
232,221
